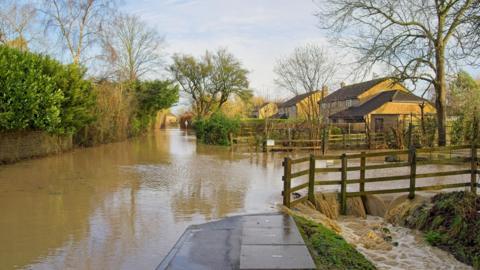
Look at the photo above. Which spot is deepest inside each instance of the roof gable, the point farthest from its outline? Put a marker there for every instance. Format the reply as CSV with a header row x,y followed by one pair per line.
x,y
376,102
352,91
293,101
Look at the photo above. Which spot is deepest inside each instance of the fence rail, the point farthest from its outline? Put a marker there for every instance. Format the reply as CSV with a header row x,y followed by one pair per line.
x,y
333,141
413,161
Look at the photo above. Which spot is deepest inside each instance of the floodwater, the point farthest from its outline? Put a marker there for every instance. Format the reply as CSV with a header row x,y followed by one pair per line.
x,y
411,250
123,205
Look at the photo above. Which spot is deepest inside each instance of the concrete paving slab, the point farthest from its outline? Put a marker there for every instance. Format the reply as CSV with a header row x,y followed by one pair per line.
x,y
271,236
262,241
206,249
275,257
268,221
213,245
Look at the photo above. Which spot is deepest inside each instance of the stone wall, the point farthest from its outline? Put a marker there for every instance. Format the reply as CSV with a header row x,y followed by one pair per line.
x,y
16,146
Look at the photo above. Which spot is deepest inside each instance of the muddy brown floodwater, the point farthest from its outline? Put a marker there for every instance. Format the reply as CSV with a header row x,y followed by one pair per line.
x,y
123,205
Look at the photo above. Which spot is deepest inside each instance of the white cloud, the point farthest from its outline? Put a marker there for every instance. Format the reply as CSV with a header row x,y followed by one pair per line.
x,y
256,32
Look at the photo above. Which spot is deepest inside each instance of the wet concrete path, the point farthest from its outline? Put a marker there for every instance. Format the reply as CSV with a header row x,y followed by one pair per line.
x,y
264,241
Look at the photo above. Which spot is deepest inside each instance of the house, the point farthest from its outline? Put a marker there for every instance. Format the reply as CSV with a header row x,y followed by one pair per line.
x,y
301,106
266,110
377,105
171,119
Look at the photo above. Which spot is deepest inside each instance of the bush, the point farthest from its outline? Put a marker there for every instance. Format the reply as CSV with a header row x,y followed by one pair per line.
x,y
39,93
126,110
450,223
113,109
457,134
433,238
216,129
334,130
151,97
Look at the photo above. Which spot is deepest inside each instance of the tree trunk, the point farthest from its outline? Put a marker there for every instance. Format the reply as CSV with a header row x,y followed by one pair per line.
x,y
441,94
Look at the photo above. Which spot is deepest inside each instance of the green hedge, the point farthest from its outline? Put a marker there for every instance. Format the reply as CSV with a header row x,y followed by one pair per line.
x,y
151,97
39,93
216,129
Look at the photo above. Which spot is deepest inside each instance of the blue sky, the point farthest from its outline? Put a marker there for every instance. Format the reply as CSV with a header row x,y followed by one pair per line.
x,y
256,31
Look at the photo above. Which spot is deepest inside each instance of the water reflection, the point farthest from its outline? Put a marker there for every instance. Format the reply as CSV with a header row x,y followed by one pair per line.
x,y
124,205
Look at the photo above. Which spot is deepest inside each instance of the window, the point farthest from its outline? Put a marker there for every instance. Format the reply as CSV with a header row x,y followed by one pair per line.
x,y
379,124
348,103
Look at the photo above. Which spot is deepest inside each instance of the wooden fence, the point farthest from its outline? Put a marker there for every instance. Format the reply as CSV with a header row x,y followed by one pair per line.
x,y
249,142
416,158
340,141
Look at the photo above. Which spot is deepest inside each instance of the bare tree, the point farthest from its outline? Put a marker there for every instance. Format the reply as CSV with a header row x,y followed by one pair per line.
x,y
418,40
308,69
131,48
17,21
77,23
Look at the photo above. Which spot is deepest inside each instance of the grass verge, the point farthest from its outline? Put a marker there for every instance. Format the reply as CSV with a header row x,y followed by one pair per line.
x,y
452,223
328,249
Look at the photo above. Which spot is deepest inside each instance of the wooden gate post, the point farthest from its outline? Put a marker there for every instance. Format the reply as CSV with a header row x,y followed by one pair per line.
x,y
473,162
311,180
287,171
324,139
363,161
343,188
412,160
410,135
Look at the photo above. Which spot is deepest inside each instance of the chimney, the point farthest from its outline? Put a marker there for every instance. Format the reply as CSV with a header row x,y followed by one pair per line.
x,y
324,91
343,84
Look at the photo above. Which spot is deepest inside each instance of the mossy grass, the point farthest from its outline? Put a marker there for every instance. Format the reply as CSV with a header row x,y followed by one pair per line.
x,y
451,223
329,250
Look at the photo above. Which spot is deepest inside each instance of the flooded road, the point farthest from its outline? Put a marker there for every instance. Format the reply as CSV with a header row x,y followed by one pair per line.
x,y
123,205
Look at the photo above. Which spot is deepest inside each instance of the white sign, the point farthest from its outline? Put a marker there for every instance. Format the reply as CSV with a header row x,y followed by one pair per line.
x,y
270,142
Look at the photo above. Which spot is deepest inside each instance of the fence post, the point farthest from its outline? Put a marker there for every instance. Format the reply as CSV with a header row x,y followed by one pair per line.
x,y
311,180
363,161
412,159
287,171
324,139
473,177
343,188
410,135
344,143
473,162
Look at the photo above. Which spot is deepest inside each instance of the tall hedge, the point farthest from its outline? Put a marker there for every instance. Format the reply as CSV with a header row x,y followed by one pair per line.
x,y
151,97
39,93
216,129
